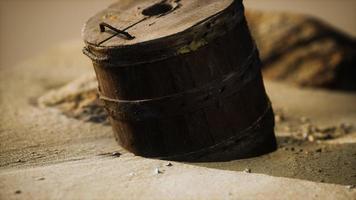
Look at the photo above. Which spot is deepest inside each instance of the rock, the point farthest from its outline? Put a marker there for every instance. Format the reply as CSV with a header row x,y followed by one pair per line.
x,y
311,138
350,187
158,171
116,154
278,118
303,50
344,128
77,99
314,133
247,170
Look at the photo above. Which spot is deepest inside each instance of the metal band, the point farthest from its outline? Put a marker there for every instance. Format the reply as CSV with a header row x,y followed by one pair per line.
x,y
188,101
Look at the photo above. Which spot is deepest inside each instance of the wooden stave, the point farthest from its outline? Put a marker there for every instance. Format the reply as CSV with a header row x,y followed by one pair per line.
x,y
173,138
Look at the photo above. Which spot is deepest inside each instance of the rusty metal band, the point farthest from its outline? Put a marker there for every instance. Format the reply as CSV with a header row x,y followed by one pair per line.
x,y
262,124
188,101
153,51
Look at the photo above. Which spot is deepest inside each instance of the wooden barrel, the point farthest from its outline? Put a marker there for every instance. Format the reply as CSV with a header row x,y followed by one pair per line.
x,y
181,79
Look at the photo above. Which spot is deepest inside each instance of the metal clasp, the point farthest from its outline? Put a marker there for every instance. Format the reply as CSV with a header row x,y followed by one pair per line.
x,y
103,27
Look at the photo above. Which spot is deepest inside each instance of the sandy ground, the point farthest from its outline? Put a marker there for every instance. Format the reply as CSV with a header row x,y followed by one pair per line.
x,y
45,155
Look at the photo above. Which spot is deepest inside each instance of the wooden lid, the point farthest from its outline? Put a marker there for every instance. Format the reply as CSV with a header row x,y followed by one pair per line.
x,y
164,27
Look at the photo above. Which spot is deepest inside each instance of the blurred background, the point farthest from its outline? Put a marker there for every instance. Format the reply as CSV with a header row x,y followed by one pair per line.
x,y
29,27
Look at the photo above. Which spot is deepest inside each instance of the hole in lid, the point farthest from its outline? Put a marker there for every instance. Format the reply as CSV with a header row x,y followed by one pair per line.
x,y
157,9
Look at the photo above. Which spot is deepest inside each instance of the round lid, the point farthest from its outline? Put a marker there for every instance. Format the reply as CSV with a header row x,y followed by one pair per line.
x,y
132,24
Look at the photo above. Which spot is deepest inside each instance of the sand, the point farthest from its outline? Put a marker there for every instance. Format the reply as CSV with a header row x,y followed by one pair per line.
x,y
46,155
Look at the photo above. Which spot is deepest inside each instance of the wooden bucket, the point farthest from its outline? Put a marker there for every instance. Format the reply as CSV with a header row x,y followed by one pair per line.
x,y
181,79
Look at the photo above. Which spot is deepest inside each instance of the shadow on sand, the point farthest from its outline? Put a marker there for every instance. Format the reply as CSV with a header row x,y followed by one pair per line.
x,y
324,162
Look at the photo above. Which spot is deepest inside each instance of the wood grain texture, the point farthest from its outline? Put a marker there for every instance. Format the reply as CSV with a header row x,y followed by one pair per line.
x,y
203,102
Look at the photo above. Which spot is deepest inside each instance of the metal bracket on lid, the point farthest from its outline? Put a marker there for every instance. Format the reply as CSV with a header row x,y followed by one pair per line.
x,y
159,9
103,27
122,32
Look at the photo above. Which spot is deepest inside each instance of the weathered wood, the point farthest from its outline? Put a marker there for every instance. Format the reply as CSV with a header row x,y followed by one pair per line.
x,y
192,91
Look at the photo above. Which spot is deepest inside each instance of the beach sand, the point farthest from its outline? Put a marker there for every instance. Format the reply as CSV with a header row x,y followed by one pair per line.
x,y
46,155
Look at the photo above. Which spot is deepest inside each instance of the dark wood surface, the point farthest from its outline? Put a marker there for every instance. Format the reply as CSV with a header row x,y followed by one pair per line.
x,y
208,122
184,15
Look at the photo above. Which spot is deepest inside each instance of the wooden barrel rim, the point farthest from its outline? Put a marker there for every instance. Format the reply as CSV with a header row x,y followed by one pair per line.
x,y
187,41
